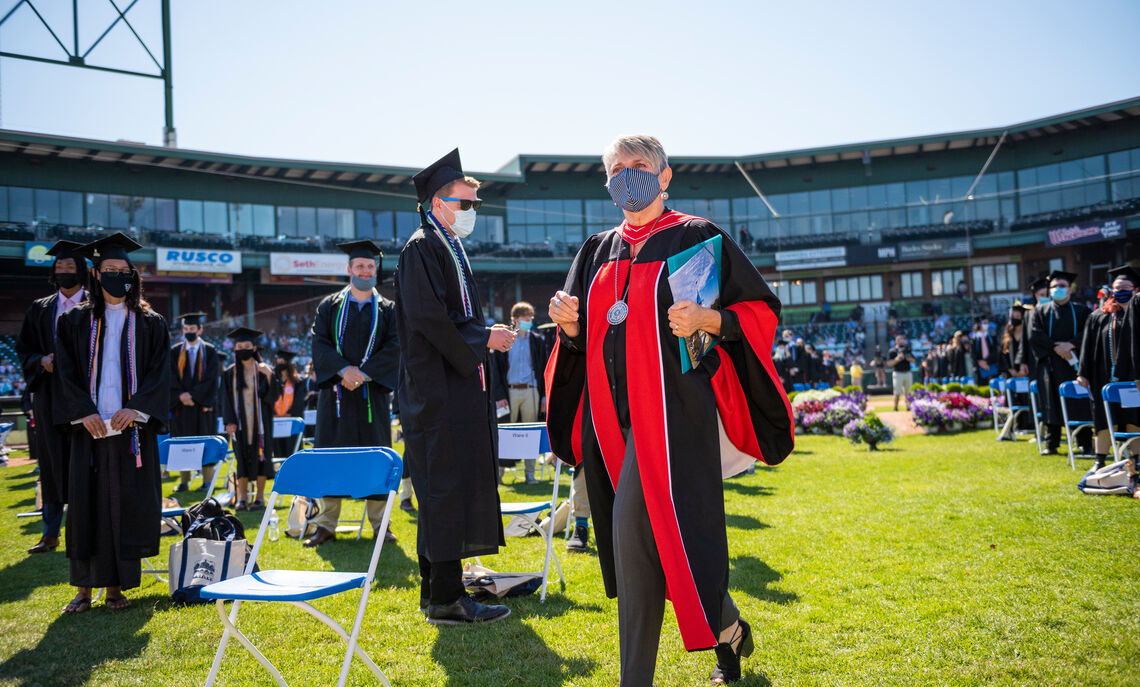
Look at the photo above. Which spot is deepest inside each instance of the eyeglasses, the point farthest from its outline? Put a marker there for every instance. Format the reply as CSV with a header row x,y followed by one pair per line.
x,y
465,204
112,270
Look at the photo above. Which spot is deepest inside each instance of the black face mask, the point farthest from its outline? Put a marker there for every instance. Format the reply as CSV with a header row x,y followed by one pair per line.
x,y
1015,322
245,354
282,367
117,285
191,337
66,280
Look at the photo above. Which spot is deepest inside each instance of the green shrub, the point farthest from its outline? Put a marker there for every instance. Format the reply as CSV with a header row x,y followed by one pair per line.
x,y
954,388
934,387
972,390
851,389
917,386
792,396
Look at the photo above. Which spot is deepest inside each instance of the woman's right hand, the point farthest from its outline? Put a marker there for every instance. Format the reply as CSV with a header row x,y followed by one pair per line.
x,y
564,312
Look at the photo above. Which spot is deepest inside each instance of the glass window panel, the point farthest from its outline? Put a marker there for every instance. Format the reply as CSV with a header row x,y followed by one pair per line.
x,y
190,216
121,208
165,214
3,202
801,226
1009,209
896,195
144,215
840,199
1049,201
241,218
779,202
841,223
96,205
916,192
1095,193
1073,196
959,186
1118,162
553,212
1029,204
821,224
859,198
740,209
535,233
214,217
978,277
917,215
1092,166
345,226
841,290
1049,175
365,224
286,221
860,221
820,202
829,291
876,287
516,211
880,219
1011,276
1001,278
877,196
306,222
406,225
1027,179
809,292
263,220
70,207
1071,170
47,206
853,288
326,221
864,287
938,190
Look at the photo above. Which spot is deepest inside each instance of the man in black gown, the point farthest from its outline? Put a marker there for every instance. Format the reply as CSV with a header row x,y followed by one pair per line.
x,y
113,362
248,393
1054,332
448,416
356,356
194,375
1102,348
36,351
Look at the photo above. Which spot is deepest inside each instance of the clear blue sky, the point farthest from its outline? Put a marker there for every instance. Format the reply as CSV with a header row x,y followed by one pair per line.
x,y
386,83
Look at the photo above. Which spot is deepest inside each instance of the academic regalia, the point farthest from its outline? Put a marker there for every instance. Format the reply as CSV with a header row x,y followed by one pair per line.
x,y
989,354
363,417
113,495
1105,351
450,427
613,380
798,365
252,442
200,379
1046,325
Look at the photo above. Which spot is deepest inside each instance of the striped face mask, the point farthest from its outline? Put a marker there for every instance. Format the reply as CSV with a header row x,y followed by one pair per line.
x,y
633,189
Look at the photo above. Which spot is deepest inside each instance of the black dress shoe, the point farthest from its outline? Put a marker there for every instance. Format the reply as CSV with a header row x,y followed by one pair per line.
x,y
465,610
728,659
424,603
45,544
406,506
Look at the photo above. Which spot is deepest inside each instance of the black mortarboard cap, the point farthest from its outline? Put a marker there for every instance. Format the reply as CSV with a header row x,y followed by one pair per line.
x,y
65,249
285,355
116,246
1128,272
1038,284
437,175
1062,274
244,334
192,318
365,248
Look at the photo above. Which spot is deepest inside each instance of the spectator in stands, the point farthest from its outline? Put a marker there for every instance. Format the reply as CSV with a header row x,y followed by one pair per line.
x,y
900,359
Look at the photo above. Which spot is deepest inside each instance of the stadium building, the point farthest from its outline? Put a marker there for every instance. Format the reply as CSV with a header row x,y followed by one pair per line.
x,y
901,228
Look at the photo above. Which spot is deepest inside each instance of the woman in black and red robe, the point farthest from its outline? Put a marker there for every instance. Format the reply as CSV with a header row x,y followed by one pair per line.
x,y
615,374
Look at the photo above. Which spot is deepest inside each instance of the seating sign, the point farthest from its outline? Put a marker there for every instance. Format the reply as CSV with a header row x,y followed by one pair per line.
x,y
282,426
519,444
184,456
310,417
1130,397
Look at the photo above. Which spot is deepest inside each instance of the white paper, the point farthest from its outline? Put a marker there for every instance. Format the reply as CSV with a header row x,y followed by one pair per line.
x,y
310,417
281,427
184,457
519,444
110,432
1130,398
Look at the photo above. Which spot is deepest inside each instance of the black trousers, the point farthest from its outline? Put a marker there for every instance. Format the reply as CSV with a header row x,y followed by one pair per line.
x,y
441,582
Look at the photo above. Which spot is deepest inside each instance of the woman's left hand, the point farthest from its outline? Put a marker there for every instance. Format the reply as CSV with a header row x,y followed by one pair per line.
x,y
686,317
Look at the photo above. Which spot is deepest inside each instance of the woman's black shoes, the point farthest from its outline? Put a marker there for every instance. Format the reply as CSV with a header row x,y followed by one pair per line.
x,y
728,660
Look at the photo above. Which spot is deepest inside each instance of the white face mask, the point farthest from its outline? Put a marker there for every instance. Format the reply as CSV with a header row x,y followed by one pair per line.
x,y
464,223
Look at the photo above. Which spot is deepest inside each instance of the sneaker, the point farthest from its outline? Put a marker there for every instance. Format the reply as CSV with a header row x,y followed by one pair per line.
x,y
579,541
182,486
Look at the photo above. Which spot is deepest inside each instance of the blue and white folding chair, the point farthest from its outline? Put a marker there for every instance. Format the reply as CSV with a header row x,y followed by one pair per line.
x,y
1125,395
1036,415
997,390
1014,387
285,427
529,511
314,473
190,453
1071,392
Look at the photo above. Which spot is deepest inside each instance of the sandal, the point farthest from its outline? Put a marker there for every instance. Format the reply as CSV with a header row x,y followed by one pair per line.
x,y
257,505
117,603
241,506
728,659
79,604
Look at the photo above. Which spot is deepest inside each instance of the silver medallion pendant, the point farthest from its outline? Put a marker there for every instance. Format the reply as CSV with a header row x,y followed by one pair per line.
x,y
617,312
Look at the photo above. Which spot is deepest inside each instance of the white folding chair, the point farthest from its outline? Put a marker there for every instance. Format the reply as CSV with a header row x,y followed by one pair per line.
x,y
314,473
522,435
1036,415
1071,391
997,389
190,453
285,427
1125,395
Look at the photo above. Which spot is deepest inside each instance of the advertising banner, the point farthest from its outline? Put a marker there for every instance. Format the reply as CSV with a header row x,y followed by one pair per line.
x,y
197,260
1086,232
308,264
35,254
812,258
933,248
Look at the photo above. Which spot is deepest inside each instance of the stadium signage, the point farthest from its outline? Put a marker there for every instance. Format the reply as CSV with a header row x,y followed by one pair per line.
x,y
869,255
196,260
35,253
308,264
1087,232
812,258
933,248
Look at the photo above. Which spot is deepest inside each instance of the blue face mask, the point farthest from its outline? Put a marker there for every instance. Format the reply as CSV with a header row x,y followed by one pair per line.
x,y
1042,300
1060,293
1122,296
525,325
633,189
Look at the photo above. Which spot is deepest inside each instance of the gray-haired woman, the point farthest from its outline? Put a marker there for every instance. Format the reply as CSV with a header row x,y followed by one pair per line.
x,y
651,436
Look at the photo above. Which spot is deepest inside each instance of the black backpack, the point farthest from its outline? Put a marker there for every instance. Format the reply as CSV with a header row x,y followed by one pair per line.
x,y
209,520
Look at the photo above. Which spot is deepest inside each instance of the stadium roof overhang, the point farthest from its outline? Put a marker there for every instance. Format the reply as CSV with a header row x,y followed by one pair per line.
x,y
1090,118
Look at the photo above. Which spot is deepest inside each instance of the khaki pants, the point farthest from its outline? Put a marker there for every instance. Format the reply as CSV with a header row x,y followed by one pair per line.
x,y
524,408
330,514
580,502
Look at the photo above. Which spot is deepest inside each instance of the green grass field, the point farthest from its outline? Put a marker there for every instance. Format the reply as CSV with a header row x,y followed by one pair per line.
x,y
942,560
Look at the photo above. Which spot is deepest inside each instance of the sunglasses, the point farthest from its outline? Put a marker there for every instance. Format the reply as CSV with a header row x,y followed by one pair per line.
x,y
466,204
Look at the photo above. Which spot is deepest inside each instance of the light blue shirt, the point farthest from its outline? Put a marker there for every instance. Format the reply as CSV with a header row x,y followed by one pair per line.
x,y
521,367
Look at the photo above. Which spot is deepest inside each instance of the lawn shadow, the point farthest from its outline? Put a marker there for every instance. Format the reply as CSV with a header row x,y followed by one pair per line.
x,y
744,522
748,489
555,605
483,653
64,657
394,569
754,577
19,580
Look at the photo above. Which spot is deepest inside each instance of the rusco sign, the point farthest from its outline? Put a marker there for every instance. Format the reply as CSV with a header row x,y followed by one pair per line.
x,y
197,260
308,264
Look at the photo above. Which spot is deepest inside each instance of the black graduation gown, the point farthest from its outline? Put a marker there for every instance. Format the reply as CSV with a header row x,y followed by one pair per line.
x,y
1128,362
103,475
798,365
195,420
254,458
36,340
611,379
993,347
1102,339
352,427
1049,324
448,417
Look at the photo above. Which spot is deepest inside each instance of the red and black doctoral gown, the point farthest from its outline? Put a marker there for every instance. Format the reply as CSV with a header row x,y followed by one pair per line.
x,y
1103,350
613,378
450,427
36,340
133,482
1047,325
201,383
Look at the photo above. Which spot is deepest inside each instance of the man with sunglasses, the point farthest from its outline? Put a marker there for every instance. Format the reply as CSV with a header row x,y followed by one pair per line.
x,y
448,415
